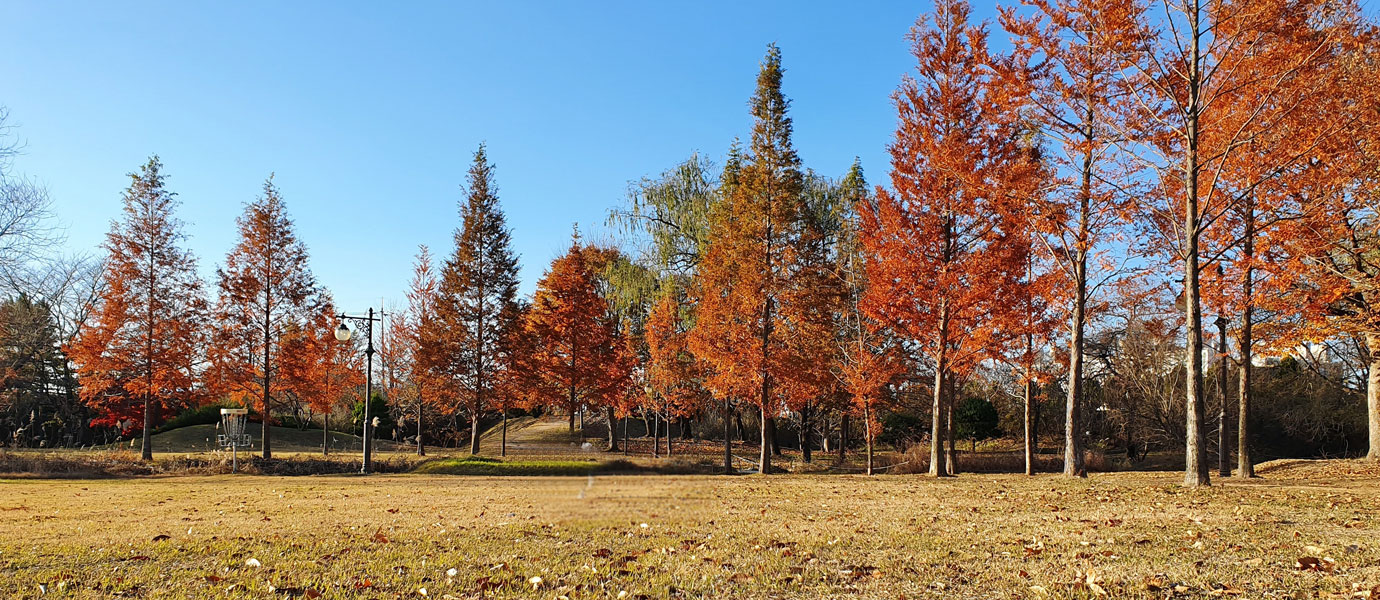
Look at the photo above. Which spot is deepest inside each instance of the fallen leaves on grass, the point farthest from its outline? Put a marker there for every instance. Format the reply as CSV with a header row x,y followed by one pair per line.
x,y
1090,583
294,592
1321,565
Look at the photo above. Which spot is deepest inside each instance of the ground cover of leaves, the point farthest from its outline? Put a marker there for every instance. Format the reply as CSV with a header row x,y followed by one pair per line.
x,y
1304,530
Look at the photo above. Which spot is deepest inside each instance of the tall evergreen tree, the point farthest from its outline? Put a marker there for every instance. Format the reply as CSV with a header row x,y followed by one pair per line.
x,y
475,304
746,281
137,357
266,291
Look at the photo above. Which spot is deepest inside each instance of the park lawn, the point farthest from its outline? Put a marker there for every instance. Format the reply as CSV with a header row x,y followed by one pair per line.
x,y
1126,535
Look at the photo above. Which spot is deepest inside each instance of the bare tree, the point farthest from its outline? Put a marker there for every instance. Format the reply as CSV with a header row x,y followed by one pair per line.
x,y
27,229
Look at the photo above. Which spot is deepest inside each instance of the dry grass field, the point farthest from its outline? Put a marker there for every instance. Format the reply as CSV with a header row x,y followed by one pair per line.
x,y
1304,530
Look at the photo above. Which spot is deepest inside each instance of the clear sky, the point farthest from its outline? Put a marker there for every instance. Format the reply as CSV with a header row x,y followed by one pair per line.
x,y
369,112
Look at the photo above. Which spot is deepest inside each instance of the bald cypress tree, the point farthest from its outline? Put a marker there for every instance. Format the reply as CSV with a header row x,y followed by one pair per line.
x,y
475,305
746,285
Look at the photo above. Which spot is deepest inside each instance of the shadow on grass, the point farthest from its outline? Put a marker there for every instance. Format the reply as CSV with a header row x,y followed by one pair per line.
x,y
104,464
481,465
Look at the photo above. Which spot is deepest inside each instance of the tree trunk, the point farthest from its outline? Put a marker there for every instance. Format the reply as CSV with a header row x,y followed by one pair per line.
x,y
474,431
939,466
421,446
572,412
1029,427
267,399
952,455
326,434
771,434
503,437
265,430
613,431
1223,447
742,431
656,435
1073,439
805,433
1196,471
867,434
1244,467
146,442
765,457
843,435
938,463
728,440
1373,395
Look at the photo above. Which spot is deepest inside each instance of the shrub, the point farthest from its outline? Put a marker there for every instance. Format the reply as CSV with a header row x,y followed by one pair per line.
x,y
902,429
976,419
378,409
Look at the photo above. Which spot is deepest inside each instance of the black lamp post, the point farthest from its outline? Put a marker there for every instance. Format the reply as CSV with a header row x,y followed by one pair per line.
x,y
342,333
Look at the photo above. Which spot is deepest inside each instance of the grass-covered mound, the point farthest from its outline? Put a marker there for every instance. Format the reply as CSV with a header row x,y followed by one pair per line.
x,y
202,438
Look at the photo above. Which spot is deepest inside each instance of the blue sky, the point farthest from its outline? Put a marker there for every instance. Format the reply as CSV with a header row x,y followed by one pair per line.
x,y
368,113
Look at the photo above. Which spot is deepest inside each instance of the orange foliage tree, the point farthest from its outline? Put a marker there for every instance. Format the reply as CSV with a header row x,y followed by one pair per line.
x,y
522,384
746,280
576,351
1207,87
816,301
869,359
266,291
425,388
1073,50
1331,283
939,262
1275,175
318,369
672,371
475,306
1031,327
138,355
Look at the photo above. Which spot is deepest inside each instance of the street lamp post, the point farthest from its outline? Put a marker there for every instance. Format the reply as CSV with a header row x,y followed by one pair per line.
x,y
342,333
